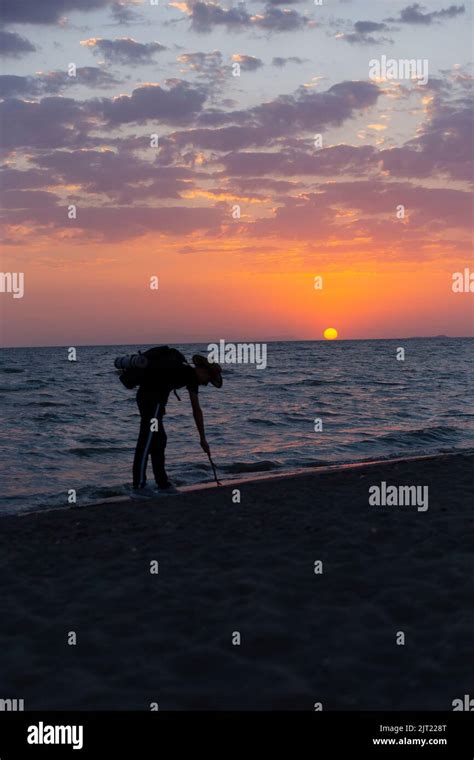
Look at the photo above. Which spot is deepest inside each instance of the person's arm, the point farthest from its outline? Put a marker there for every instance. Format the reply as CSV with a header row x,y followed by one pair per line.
x,y
199,420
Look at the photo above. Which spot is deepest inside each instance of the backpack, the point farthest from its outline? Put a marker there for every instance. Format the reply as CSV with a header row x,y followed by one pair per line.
x,y
161,359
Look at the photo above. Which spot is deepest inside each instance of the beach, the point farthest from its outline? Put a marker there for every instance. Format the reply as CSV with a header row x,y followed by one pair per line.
x,y
325,633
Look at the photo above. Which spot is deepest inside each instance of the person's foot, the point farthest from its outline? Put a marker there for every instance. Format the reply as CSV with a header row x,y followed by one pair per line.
x,y
166,487
145,493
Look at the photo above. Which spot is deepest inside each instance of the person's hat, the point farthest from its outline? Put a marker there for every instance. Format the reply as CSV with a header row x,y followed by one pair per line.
x,y
214,369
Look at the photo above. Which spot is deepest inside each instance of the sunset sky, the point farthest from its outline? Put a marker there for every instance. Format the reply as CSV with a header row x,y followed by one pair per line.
x,y
168,211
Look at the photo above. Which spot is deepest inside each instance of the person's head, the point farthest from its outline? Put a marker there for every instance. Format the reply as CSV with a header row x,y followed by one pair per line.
x,y
207,372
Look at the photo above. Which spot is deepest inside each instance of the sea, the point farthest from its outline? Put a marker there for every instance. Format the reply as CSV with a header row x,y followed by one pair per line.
x,y
72,426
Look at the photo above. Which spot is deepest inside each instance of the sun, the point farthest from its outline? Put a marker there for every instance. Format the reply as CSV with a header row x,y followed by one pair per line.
x,y
330,333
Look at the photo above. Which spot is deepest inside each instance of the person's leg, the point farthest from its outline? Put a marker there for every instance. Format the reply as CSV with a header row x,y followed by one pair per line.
x,y
148,409
157,450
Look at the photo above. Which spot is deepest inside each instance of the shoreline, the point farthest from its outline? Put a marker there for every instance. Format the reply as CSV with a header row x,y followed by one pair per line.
x,y
254,477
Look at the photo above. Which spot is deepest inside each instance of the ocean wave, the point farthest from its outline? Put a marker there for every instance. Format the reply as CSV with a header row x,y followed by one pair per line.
x,y
44,403
385,382
91,451
261,421
49,417
11,370
420,435
238,467
312,382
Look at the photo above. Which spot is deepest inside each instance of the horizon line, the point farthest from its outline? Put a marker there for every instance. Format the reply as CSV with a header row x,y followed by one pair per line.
x,y
267,340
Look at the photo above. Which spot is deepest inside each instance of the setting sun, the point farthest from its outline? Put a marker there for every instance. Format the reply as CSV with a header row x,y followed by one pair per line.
x,y
330,333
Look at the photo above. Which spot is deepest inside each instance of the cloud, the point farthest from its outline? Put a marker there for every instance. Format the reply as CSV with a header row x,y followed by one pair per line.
x,y
207,67
280,62
28,199
413,14
124,50
363,34
59,122
247,62
125,13
222,139
53,82
178,103
273,19
335,160
118,223
315,110
12,179
201,62
443,147
117,174
368,26
53,122
45,11
305,110
14,45
13,86
323,215
206,15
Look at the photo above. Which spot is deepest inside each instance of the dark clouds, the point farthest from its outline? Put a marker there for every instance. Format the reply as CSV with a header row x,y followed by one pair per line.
x,y
318,215
363,33
124,50
303,110
280,62
268,123
180,102
202,62
45,11
124,13
114,173
12,179
276,20
53,82
205,16
337,160
443,147
315,110
415,14
247,62
14,45
53,122
208,68
116,223
97,149
28,199
13,86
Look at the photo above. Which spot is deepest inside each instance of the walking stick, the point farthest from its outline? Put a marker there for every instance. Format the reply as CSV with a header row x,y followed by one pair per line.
x,y
215,471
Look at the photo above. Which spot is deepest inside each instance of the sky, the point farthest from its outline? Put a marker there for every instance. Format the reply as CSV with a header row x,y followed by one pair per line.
x,y
183,171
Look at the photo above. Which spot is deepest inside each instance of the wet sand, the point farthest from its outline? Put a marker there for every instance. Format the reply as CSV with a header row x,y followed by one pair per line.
x,y
247,568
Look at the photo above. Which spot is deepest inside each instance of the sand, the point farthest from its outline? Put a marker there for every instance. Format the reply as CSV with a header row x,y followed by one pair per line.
x,y
224,567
